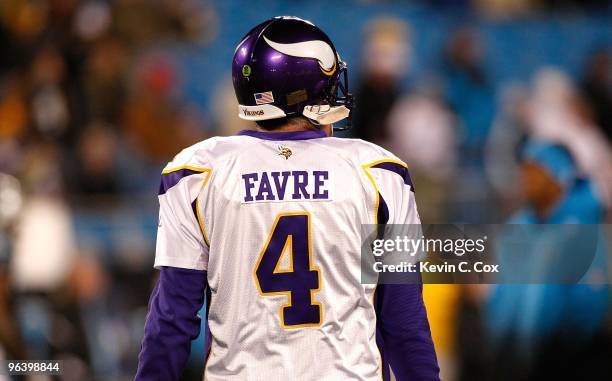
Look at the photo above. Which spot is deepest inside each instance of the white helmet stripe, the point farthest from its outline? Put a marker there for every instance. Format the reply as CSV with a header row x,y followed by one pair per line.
x,y
260,112
317,49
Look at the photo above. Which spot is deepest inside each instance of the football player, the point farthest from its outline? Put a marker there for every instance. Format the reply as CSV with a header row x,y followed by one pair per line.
x,y
267,225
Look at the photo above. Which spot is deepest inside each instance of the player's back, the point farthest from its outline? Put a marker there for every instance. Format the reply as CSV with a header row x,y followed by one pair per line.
x,y
280,214
272,221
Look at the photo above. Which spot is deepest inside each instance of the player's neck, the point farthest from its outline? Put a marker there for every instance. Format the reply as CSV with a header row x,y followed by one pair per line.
x,y
299,128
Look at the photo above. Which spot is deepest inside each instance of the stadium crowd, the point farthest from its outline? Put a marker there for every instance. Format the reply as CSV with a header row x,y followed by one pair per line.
x,y
95,98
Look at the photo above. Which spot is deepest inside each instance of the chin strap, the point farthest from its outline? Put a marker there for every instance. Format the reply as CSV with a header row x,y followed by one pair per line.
x,y
325,114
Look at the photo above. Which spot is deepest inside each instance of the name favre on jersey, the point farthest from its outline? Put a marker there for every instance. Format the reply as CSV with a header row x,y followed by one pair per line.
x,y
286,186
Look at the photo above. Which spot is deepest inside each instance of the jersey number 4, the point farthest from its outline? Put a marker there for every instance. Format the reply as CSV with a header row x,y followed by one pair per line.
x,y
299,281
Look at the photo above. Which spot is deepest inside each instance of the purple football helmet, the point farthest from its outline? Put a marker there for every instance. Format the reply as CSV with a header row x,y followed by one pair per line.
x,y
287,66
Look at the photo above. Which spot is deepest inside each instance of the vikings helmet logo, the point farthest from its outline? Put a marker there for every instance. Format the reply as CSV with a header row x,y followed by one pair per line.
x,y
317,49
285,152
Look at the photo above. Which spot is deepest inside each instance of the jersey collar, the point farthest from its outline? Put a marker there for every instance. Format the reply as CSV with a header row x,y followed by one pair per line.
x,y
297,135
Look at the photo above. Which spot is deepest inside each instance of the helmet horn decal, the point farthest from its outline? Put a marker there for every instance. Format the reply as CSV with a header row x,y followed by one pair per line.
x,y
317,49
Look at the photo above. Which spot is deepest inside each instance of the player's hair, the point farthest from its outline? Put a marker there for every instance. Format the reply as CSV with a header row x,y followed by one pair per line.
x,y
273,124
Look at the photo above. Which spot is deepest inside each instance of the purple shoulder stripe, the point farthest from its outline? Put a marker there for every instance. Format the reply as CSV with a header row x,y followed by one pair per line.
x,y
396,168
383,210
170,179
194,208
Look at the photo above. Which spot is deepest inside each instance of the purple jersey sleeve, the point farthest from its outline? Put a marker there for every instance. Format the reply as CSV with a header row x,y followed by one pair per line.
x,y
403,333
172,322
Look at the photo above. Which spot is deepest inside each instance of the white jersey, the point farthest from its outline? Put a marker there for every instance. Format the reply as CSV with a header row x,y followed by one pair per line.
x,y
274,219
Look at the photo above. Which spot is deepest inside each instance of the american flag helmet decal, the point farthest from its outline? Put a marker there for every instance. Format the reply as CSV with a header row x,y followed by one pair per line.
x,y
264,98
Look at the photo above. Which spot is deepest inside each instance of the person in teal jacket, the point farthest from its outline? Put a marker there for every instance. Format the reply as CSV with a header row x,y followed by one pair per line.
x,y
561,295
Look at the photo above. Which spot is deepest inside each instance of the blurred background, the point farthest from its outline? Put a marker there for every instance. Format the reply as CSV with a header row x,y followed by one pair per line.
x,y
501,108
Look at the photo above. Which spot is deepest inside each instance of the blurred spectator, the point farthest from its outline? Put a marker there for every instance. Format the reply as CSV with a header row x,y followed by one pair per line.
x,y
226,108
142,23
421,131
469,94
49,105
104,79
153,117
501,151
24,22
558,114
92,20
96,167
13,109
11,342
468,90
386,52
39,271
532,326
42,264
11,202
504,8
597,87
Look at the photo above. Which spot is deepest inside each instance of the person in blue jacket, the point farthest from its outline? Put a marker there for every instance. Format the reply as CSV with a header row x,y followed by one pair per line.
x,y
561,300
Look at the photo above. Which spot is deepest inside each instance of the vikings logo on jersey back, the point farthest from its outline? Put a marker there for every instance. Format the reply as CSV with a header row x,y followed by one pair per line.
x,y
284,152
287,186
